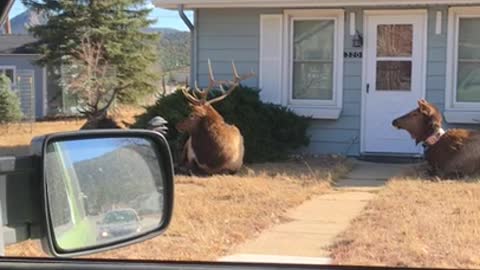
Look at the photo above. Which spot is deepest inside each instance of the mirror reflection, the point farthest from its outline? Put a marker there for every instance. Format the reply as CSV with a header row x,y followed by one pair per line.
x,y
102,190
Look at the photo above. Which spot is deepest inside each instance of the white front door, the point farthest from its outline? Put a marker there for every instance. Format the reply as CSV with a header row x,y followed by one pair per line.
x,y
394,78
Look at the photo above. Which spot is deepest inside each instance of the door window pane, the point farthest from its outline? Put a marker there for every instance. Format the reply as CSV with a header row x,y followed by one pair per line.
x,y
394,75
313,55
468,71
394,40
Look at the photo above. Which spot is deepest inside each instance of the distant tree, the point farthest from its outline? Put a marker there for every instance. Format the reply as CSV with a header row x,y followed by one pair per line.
x,y
174,50
9,102
114,30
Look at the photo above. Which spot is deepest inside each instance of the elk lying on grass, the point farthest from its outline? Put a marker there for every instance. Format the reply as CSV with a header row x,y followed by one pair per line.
x,y
453,153
213,146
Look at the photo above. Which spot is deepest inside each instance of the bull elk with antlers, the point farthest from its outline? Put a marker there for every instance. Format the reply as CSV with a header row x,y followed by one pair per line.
x,y
213,146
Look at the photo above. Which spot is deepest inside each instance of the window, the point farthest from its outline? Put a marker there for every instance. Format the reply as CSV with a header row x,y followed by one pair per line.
x,y
314,59
463,66
9,71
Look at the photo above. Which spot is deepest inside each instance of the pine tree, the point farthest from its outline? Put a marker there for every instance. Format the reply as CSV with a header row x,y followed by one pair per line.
x,y
116,24
9,102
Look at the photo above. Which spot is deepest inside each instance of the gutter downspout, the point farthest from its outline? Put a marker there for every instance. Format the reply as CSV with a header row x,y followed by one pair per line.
x,y
185,18
193,43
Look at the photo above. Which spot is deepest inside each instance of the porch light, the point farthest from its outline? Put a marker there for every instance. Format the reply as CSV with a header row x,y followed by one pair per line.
x,y
357,41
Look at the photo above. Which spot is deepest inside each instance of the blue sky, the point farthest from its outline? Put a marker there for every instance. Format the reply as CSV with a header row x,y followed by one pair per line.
x,y
165,18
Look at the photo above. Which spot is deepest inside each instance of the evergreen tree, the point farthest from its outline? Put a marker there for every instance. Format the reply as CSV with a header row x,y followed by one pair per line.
x,y
116,24
9,102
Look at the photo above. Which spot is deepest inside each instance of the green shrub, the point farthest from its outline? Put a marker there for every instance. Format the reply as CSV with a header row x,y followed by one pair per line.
x,y
9,102
270,131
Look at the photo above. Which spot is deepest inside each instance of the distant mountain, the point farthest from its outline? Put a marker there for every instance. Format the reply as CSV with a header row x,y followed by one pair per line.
x,y
164,30
106,179
25,20
28,18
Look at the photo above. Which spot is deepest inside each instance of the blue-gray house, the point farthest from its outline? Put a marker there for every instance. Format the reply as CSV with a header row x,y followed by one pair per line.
x,y
29,81
353,65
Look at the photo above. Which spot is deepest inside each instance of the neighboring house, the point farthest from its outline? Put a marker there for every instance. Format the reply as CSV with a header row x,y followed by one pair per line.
x,y
352,65
29,81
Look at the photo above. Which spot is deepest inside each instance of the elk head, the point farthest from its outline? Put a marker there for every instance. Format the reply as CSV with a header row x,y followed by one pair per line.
x,y
98,117
420,122
198,98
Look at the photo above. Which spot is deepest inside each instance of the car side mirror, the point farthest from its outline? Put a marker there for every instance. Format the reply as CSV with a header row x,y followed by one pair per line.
x,y
106,171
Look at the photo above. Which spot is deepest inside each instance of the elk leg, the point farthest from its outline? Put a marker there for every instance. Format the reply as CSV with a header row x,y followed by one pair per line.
x,y
184,157
187,163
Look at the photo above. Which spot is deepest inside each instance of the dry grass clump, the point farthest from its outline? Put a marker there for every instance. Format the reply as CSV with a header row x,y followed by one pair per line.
x,y
212,215
416,222
15,138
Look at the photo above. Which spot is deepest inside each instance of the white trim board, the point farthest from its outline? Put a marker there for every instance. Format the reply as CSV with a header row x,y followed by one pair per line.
x,y
270,60
191,4
455,111
44,93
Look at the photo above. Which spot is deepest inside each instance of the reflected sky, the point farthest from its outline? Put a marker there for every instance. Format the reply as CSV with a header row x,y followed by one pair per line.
x,y
80,150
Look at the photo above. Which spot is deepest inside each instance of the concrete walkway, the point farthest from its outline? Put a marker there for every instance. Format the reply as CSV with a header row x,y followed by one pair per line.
x,y
317,222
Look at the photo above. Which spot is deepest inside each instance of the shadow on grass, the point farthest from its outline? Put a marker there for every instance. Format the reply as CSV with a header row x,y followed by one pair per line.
x,y
302,168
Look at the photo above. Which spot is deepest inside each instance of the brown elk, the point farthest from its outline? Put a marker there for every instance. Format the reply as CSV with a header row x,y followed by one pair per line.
x,y
99,118
213,146
453,153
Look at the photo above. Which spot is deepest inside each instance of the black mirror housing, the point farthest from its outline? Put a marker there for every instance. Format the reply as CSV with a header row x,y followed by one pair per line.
x,y
81,168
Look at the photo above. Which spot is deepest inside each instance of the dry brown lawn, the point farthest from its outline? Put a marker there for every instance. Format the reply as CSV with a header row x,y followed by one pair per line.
x,y
15,137
214,214
417,223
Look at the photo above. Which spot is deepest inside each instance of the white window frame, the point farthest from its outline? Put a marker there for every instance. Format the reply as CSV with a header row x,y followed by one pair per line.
x,y
14,68
457,112
318,109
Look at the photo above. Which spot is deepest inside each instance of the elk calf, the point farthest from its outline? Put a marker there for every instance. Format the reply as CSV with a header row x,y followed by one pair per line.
x,y
453,153
213,146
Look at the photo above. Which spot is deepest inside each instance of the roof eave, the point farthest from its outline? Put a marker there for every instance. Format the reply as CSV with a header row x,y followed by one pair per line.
x,y
18,54
192,4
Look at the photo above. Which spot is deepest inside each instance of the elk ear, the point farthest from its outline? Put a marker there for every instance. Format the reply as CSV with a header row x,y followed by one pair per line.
x,y
425,107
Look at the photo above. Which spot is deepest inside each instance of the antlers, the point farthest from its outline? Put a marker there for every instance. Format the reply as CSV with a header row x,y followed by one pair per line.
x,y
212,83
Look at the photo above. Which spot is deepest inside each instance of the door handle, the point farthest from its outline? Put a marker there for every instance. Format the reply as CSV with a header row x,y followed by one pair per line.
x,y
368,88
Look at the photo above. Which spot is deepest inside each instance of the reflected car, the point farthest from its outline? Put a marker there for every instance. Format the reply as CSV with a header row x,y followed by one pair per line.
x,y
118,223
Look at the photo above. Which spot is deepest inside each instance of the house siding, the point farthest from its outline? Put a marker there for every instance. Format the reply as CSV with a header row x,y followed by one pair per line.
x,y
25,62
226,34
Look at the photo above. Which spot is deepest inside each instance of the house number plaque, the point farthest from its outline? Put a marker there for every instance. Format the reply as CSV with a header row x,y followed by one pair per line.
x,y
352,54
